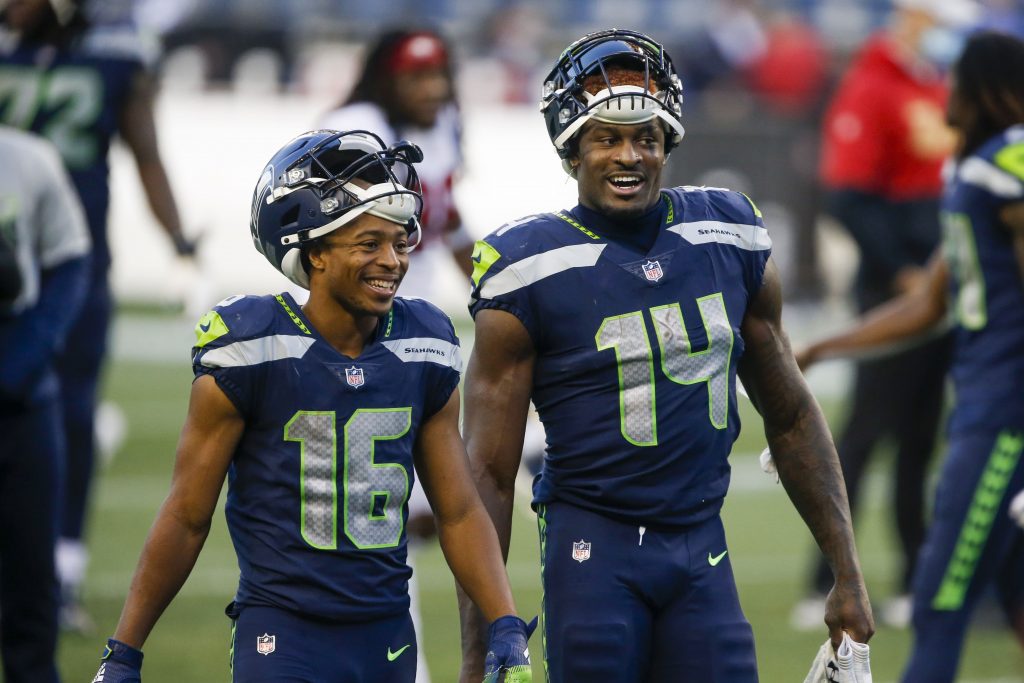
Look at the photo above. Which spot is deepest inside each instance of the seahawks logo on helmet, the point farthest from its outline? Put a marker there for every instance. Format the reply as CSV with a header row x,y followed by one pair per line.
x,y
566,104
325,179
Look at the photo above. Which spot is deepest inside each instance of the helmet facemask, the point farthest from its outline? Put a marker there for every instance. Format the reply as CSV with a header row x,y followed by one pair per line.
x,y
567,102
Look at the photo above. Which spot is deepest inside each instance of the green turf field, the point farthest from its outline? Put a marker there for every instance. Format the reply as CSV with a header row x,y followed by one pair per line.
x,y
768,546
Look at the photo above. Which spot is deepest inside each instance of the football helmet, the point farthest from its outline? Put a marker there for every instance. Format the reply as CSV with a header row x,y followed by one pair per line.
x,y
324,179
567,106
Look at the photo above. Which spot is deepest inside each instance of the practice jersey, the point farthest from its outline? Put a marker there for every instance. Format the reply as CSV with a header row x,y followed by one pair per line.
x,y
317,488
442,158
636,355
40,216
74,97
987,297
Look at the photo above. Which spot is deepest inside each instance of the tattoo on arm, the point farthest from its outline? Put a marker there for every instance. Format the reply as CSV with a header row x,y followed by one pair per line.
x,y
797,433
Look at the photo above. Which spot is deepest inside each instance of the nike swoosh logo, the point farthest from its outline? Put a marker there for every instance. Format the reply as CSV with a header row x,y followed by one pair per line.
x,y
392,656
205,328
715,560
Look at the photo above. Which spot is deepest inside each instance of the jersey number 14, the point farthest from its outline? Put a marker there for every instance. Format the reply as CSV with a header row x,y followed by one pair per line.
x,y
627,335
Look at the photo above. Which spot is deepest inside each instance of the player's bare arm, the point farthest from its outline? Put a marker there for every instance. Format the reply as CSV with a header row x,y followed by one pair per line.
x,y
212,429
462,521
138,130
498,385
1012,216
912,314
806,458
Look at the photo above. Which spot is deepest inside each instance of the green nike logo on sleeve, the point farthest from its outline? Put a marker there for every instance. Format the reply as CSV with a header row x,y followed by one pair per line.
x,y
392,656
715,560
211,326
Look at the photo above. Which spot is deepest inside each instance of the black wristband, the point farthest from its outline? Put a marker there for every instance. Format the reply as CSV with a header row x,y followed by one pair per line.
x,y
116,651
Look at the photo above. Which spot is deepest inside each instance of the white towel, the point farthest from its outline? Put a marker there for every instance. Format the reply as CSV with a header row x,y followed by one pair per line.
x,y
1017,509
851,663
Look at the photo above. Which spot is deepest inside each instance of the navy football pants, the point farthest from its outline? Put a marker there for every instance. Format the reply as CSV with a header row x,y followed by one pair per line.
x,y
79,369
628,608
30,488
972,544
303,650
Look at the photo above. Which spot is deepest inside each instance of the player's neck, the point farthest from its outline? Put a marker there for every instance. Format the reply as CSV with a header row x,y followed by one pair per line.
x,y
348,334
640,231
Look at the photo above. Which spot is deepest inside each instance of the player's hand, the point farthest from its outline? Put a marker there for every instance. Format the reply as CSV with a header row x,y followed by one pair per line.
x,y
847,609
183,246
508,651
121,663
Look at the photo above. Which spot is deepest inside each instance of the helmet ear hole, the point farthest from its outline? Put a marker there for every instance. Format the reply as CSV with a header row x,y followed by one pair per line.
x,y
290,217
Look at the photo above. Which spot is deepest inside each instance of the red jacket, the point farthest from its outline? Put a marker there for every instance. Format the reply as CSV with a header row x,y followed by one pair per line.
x,y
884,131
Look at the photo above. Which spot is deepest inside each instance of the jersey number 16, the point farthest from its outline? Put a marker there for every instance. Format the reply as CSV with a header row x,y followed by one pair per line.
x,y
373,493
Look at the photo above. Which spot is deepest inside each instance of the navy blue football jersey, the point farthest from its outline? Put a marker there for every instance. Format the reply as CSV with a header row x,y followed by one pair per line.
x,y
987,296
74,96
317,488
636,360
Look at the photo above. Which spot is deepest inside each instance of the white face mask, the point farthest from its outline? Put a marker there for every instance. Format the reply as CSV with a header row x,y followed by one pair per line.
x,y
941,45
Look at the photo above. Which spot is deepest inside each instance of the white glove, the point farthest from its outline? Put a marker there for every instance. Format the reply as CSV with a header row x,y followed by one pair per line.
x,y
1017,509
851,663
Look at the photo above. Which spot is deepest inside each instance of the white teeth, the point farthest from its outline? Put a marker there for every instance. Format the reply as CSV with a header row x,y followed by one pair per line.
x,y
626,180
382,284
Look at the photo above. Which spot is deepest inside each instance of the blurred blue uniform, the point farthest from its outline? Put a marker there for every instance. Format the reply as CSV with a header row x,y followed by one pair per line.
x,y
74,96
637,332
972,543
317,490
42,221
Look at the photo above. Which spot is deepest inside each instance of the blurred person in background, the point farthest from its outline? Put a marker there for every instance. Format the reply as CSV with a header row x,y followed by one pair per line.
x,y
406,91
320,417
42,223
978,277
884,142
627,319
80,86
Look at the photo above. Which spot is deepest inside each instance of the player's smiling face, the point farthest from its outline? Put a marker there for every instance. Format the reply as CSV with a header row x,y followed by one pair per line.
x,y
618,167
362,264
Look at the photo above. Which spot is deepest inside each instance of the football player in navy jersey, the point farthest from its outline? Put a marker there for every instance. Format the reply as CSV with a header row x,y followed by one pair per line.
x,y
317,414
978,276
626,319
79,86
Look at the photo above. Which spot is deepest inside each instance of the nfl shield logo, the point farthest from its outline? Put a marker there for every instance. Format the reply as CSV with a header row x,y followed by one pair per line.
x,y
265,644
354,377
581,550
652,269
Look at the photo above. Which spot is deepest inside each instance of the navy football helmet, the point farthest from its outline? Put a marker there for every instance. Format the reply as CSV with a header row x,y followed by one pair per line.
x,y
324,179
567,106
